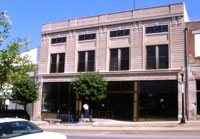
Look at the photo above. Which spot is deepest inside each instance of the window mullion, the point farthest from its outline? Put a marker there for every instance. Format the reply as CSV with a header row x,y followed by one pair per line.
x,y
157,56
86,61
119,59
57,62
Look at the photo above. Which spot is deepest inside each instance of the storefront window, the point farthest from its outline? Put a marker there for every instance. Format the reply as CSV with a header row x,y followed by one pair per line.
x,y
158,99
57,96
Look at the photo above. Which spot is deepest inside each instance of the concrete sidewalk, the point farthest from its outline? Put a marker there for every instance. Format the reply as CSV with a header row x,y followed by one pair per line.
x,y
169,126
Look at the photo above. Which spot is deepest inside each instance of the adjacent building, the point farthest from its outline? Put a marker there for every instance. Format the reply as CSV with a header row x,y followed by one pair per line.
x,y
193,70
139,52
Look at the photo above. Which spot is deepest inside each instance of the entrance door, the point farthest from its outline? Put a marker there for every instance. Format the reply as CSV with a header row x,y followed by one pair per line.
x,y
198,97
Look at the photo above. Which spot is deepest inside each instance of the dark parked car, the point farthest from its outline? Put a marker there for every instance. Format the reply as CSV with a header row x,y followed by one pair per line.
x,y
14,113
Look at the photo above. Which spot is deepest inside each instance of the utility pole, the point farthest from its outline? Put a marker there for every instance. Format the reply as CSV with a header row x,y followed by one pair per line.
x,y
133,4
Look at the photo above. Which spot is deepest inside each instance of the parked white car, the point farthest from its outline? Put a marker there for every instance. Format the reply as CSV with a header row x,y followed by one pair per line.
x,y
16,128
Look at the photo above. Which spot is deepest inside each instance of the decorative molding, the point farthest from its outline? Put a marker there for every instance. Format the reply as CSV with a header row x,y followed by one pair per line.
x,y
174,22
139,25
180,21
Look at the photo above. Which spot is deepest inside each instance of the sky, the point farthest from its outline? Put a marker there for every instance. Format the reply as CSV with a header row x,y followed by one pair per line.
x,y
27,16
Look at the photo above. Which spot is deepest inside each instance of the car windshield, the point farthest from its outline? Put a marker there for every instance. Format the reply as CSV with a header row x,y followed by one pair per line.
x,y
17,128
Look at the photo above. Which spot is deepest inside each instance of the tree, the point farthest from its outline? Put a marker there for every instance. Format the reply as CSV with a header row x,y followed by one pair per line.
x,y
24,91
13,66
4,26
90,88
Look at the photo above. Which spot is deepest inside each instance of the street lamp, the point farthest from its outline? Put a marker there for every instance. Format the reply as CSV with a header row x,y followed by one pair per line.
x,y
182,71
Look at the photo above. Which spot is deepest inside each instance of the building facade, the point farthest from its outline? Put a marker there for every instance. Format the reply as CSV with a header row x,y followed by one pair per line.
x,y
139,52
193,54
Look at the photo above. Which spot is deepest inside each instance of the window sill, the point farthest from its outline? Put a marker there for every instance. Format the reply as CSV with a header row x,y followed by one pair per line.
x,y
119,37
83,41
159,33
57,44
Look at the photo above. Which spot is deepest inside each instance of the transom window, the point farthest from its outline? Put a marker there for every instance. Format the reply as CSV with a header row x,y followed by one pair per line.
x,y
86,61
57,63
157,57
87,37
118,33
58,40
157,29
119,59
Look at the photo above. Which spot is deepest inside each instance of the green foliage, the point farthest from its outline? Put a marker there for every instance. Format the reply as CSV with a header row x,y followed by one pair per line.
x,y
4,26
90,87
14,67
24,90
12,63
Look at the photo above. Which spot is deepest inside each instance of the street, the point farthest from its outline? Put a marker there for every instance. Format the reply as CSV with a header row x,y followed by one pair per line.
x,y
129,135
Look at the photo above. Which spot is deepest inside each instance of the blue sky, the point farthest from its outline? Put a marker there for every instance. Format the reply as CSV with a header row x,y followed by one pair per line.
x,y
27,16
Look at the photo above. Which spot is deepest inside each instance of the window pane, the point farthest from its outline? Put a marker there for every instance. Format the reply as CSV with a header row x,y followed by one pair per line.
x,y
113,34
151,57
61,58
81,66
151,51
87,36
120,33
164,28
90,55
53,41
64,39
91,58
93,36
114,85
163,63
81,37
61,62
81,56
163,56
114,59
125,59
126,32
125,53
125,64
149,30
53,63
81,62
156,29
90,66
151,63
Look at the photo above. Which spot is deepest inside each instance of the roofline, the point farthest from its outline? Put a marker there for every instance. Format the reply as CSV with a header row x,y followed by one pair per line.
x,y
192,21
115,12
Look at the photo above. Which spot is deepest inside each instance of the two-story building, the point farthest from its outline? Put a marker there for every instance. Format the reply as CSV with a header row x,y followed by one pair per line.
x,y
139,52
193,70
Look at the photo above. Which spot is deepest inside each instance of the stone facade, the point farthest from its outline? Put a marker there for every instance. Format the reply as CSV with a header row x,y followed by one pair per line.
x,y
136,21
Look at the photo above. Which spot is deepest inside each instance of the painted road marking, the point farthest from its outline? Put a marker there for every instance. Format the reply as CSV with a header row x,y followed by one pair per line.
x,y
104,133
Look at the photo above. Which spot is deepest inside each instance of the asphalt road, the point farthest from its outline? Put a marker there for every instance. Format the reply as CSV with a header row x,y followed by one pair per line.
x,y
129,135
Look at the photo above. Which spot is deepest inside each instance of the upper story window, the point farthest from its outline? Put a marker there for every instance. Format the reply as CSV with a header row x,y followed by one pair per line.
x,y
58,40
119,59
157,29
57,63
118,33
157,57
87,37
197,45
86,61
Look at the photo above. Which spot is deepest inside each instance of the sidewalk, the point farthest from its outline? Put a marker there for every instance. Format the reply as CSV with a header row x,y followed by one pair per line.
x,y
111,125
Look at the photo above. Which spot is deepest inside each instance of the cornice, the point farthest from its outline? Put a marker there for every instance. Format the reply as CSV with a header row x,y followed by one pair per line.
x,y
114,23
